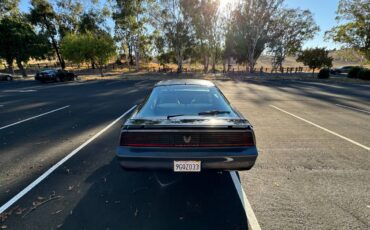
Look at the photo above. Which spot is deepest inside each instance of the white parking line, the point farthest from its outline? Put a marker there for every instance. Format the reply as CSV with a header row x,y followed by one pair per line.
x,y
30,118
54,167
251,217
325,129
348,107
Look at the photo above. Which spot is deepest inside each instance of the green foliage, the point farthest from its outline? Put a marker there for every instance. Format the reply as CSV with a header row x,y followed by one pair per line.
x,y
18,41
364,74
315,58
251,28
8,7
355,31
88,48
131,17
324,73
206,22
43,15
176,28
353,73
291,28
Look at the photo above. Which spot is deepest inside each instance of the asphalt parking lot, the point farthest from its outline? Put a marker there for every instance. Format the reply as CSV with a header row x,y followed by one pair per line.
x,y
313,171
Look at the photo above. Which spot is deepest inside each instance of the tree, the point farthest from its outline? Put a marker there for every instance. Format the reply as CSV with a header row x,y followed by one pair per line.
x,y
19,42
251,28
292,28
86,47
175,26
315,58
205,18
8,7
68,15
355,31
130,20
43,15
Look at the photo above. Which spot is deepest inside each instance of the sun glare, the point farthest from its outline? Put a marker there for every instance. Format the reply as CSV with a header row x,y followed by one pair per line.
x,y
226,5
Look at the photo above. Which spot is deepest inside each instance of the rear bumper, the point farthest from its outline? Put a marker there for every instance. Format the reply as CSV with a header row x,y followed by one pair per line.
x,y
163,159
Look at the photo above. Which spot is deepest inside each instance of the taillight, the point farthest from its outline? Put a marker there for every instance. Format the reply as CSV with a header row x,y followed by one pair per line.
x,y
187,139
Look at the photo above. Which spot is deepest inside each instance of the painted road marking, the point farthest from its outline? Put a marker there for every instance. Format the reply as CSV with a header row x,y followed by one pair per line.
x,y
348,107
34,117
251,217
54,167
325,129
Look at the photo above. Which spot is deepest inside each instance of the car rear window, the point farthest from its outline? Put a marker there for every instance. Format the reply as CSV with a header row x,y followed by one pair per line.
x,y
184,100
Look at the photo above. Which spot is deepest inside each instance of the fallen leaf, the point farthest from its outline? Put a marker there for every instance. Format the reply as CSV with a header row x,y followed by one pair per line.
x,y
136,212
40,198
58,211
19,211
4,226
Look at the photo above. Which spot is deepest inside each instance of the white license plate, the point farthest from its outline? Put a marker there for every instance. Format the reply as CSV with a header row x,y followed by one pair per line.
x,y
186,166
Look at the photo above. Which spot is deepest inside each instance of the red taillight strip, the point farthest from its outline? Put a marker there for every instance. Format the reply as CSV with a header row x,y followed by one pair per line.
x,y
249,141
201,145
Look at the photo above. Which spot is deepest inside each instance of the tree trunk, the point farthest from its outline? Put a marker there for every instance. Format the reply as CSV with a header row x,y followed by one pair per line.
x,y
56,48
228,64
93,65
10,66
179,65
137,57
130,59
214,65
21,68
205,63
101,71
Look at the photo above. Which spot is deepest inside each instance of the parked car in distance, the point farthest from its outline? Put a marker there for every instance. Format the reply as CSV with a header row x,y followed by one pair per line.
x,y
52,75
340,70
186,126
6,77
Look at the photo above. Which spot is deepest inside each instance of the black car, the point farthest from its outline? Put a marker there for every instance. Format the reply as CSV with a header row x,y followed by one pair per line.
x,y
340,70
52,75
186,126
6,77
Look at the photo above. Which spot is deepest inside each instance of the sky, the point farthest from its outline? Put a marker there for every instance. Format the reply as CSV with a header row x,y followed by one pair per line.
x,y
322,10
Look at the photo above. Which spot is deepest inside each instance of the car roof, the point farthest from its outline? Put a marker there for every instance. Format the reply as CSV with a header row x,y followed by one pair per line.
x,y
48,70
185,82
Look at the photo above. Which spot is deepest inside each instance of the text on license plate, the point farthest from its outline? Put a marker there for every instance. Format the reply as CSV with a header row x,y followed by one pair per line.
x,y
186,166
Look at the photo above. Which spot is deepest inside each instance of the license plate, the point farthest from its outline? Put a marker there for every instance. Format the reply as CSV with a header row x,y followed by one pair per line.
x,y
186,166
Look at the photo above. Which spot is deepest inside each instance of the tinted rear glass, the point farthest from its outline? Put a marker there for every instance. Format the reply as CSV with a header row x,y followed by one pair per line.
x,y
184,99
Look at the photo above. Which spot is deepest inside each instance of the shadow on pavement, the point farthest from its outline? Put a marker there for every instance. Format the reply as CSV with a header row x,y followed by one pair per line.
x,y
147,200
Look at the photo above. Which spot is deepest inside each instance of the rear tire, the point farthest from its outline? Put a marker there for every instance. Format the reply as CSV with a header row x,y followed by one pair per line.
x,y
8,78
57,79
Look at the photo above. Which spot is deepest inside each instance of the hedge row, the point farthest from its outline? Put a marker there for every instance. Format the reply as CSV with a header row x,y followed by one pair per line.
x,y
358,72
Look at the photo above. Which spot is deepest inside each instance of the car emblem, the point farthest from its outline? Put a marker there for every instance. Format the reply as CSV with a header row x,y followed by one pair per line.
x,y
187,139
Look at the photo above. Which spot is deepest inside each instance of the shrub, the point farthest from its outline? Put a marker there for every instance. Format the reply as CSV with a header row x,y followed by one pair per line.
x,y
324,73
364,74
353,73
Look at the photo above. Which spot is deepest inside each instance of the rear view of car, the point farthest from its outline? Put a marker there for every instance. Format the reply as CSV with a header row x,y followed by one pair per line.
x,y
187,126
52,75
